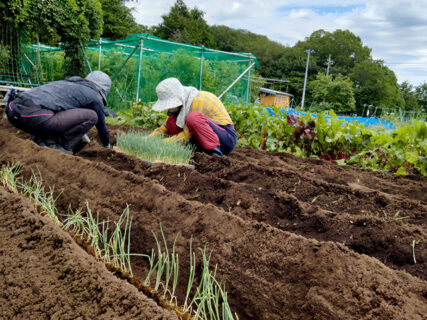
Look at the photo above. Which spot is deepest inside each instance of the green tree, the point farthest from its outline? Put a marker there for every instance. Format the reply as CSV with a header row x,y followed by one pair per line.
x,y
184,25
291,66
421,93
13,14
334,92
346,49
409,95
118,20
268,52
70,22
376,84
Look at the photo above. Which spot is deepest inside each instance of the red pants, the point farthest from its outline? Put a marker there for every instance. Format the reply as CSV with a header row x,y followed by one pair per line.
x,y
207,133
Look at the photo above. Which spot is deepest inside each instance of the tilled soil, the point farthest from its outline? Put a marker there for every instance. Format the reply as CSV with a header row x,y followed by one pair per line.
x,y
44,274
292,238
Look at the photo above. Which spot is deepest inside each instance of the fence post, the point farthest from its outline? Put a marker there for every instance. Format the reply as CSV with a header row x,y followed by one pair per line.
x,y
305,78
248,85
99,53
39,64
141,44
201,68
84,54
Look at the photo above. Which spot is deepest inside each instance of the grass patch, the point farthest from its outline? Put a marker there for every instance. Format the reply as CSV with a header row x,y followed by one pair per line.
x,y
154,149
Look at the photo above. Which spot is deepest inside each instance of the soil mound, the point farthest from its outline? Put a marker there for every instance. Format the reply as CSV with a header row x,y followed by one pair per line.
x,y
44,274
293,238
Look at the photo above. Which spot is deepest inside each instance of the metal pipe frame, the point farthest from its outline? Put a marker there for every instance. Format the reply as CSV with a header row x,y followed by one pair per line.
x,y
238,78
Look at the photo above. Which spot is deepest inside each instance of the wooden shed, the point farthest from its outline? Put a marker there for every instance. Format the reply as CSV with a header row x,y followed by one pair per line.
x,y
268,97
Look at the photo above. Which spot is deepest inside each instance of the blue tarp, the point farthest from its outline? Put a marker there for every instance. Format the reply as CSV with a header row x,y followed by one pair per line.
x,y
366,121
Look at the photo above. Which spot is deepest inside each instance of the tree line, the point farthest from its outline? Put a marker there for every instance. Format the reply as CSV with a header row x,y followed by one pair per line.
x,y
353,80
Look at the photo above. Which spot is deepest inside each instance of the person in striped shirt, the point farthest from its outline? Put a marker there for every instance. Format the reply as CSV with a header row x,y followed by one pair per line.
x,y
196,116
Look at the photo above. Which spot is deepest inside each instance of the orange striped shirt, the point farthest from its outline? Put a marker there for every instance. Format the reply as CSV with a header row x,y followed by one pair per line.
x,y
207,104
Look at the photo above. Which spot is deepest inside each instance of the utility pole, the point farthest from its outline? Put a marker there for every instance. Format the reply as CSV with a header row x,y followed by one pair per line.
x,y
329,63
305,78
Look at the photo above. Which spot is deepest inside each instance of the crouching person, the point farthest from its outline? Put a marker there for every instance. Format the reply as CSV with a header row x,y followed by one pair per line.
x,y
196,116
60,113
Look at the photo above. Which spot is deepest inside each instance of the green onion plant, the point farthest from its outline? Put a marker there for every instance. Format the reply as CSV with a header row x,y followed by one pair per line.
x,y
8,176
209,300
154,148
45,199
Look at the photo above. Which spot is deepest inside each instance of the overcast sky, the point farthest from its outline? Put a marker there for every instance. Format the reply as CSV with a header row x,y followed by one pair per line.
x,y
395,30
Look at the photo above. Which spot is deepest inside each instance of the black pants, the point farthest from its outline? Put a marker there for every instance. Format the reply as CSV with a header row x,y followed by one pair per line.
x,y
65,127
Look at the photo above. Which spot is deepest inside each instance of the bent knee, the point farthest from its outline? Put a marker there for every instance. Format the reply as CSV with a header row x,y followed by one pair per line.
x,y
91,117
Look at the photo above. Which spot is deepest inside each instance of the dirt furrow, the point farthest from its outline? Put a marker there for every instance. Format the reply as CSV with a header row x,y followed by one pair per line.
x,y
386,234
44,274
269,270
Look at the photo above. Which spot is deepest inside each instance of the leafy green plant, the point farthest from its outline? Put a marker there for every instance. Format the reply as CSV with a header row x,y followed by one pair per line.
x,y
400,151
154,148
139,115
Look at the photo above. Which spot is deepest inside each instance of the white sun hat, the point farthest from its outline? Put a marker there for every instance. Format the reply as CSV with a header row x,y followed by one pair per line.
x,y
170,93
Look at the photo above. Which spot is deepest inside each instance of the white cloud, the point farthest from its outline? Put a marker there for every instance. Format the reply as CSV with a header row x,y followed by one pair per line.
x,y
395,30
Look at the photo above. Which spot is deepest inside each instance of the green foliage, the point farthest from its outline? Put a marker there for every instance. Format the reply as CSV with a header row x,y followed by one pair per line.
x,y
375,84
4,57
421,93
70,22
336,92
155,67
139,115
184,25
154,148
402,150
268,52
409,95
344,46
118,20
14,12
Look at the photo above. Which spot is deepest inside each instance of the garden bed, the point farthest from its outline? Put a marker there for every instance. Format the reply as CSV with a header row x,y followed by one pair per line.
x,y
293,238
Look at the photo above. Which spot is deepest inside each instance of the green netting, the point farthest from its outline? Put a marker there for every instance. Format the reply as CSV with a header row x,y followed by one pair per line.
x,y
139,62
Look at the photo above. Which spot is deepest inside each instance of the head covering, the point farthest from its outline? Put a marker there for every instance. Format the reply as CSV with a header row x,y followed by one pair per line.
x,y
171,94
102,82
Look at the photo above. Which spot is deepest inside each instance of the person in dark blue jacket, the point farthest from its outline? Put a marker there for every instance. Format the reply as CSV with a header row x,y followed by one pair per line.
x,y
60,113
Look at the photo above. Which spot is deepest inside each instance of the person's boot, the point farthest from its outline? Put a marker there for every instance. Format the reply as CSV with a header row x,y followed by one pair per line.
x,y
216,151
60,148
39,141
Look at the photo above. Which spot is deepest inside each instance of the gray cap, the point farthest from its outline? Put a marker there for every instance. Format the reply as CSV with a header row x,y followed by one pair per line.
x,y
102,81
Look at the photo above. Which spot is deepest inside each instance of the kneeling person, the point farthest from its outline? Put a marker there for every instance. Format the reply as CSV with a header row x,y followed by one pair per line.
x,y
60,113
195,115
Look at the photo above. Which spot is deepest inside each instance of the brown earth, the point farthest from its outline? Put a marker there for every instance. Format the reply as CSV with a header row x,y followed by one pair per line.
x,y
293,238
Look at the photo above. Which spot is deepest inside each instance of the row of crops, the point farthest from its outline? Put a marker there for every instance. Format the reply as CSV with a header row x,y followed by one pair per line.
x,y
109,242
400,151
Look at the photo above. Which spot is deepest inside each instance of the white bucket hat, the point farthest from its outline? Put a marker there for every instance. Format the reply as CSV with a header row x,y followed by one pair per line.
x,y
170,93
